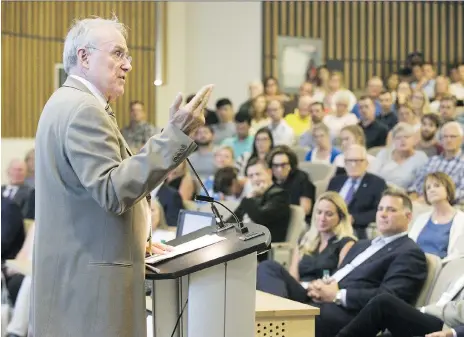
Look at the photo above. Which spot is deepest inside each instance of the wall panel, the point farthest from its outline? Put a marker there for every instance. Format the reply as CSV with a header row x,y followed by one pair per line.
x,y
370,37
32,43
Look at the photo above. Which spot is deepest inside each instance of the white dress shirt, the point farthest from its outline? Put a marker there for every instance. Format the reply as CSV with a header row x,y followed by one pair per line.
x,y
100,97
282,133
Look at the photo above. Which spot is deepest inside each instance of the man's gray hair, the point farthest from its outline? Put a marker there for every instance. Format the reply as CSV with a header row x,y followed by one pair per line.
x,y
82,34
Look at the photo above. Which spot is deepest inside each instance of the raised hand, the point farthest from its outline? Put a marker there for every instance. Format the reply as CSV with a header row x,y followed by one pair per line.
x,y
190,117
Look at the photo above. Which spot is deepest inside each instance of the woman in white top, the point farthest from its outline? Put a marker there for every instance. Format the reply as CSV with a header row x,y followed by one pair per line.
x,y
399,164
341,117
440,231
351,135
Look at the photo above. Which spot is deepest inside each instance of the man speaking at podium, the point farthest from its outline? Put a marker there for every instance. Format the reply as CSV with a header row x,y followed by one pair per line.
x,y
91,210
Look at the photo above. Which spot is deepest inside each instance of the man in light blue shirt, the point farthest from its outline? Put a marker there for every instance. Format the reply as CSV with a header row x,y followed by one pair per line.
x,y
242,142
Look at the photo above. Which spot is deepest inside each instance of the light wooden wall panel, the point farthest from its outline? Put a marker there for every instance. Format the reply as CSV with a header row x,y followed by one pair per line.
x,y
369,37
32,43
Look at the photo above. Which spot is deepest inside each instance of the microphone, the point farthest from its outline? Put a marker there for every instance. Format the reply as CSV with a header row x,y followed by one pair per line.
x,y
220,224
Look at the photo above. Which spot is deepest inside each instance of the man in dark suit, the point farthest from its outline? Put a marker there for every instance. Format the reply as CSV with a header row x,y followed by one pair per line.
x,y
13,233
268,204
16,190
392,263
402,319
361,190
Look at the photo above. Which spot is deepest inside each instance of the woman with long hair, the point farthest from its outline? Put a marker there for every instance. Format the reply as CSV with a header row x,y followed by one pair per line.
x,y
262,145
318,254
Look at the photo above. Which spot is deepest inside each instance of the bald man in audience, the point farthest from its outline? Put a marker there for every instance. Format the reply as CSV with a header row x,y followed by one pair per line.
x,y
450,161
361,190
300,119
17,190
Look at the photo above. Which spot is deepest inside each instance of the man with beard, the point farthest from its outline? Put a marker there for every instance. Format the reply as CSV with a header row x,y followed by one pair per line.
x,y
430,124
203,158
317,113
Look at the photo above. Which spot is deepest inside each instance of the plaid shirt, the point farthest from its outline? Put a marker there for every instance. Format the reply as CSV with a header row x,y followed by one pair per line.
x,y
136,135
453,167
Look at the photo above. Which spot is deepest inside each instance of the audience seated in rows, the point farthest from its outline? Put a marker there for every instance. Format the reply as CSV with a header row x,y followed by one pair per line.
x,y
391,263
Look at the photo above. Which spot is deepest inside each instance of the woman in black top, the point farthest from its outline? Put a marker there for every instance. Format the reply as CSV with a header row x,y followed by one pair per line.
x,y
319,253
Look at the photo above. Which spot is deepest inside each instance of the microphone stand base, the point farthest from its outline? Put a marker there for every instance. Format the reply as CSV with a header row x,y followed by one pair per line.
x,y
226,227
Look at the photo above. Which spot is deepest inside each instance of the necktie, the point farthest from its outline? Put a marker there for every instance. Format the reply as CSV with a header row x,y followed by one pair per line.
x,y
350,193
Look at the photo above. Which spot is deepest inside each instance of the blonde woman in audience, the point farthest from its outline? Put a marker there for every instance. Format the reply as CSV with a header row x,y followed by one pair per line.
x,y
319,253
258,114
335,88
181,179
272,90
323,151
406,115
350,135
419,102
442,84
341,117
440,231
398,164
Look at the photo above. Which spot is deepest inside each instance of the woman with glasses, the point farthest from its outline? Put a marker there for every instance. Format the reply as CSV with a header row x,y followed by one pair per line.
x,y
285,173
262,145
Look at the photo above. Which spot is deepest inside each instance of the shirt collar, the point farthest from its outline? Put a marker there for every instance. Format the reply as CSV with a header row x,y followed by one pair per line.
x,y
388,239
100,97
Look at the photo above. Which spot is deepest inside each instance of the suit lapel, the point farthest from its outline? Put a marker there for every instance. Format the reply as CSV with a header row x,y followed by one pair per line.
x,y
387,249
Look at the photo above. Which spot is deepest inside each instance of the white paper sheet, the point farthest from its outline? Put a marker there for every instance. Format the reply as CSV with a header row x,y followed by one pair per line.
x,y
206,240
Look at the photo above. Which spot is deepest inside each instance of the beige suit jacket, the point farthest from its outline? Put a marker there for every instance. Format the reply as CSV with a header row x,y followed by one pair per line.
x,y
88,264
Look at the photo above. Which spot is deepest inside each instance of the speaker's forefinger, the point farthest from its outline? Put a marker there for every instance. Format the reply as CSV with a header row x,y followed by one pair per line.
x,y
199,97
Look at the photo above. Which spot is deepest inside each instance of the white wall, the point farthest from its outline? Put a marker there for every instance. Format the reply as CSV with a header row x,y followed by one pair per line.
x,y
211,42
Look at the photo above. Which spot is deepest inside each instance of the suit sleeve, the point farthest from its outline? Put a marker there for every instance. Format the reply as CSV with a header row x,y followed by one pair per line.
x,y
459,330
403,279
12,226
364,218
92,149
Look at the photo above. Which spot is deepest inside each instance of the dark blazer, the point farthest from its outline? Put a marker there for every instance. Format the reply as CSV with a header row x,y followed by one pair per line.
x,y
459,330
171,201
21,197
13,233
363,206
272,210
399,268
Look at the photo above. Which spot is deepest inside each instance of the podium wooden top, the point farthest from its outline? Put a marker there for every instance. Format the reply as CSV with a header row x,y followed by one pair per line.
x,y
268,305
223,251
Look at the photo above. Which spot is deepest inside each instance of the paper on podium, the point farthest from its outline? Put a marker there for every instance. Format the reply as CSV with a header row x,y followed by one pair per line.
x,y
206,240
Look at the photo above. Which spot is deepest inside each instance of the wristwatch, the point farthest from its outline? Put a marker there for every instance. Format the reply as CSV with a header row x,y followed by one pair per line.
x,y
338,298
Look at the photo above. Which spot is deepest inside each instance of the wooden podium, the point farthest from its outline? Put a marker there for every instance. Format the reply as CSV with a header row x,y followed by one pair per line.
x,y
211,291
